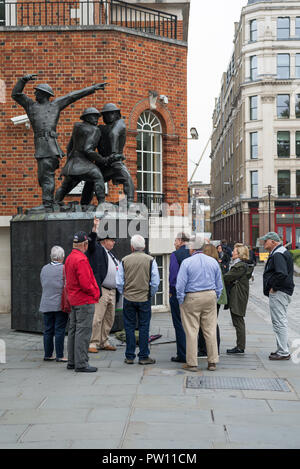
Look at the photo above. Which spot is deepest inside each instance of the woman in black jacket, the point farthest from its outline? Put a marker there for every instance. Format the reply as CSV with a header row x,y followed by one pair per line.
x,y
237,284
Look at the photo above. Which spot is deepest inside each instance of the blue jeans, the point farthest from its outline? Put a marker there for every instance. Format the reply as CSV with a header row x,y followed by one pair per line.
x,y
133,311
179,331
55,326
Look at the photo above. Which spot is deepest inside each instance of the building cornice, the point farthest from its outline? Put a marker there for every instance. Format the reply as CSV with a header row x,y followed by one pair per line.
x,y
47,29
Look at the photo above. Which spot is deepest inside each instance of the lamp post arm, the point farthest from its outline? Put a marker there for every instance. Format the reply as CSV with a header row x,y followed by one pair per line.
x,y
200,159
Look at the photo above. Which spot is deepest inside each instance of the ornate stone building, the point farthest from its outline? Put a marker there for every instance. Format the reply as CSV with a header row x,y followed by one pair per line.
x,y
255,154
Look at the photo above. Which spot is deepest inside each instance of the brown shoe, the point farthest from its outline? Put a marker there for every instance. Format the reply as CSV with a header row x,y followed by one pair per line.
x,y
187,367
275,356
212,367
128,361
147,361
93,350
109,347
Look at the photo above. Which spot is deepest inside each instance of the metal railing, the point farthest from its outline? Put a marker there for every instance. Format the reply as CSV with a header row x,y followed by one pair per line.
x,y
88,13
152,201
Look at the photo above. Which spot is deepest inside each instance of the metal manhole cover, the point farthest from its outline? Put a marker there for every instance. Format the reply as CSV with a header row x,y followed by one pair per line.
x,y
244,384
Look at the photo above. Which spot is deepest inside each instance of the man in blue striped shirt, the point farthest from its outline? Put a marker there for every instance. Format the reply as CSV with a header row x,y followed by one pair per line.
x,y
199,285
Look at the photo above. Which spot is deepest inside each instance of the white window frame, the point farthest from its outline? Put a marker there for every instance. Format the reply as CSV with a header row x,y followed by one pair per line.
x,y
149,119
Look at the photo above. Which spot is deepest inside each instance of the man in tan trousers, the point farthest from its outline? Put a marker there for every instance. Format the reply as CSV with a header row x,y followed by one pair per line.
x,y
199,285
105,266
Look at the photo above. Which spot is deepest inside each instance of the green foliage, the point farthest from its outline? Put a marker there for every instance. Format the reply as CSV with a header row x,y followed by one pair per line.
x,y
296,256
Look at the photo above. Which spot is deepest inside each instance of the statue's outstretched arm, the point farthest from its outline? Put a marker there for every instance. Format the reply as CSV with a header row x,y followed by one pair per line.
x,y
70,98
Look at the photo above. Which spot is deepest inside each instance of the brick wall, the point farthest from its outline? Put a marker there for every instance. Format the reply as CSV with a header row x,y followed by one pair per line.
x,y
70,60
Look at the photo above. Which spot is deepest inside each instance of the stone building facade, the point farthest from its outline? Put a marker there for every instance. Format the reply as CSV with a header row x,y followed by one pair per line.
x,y
255,154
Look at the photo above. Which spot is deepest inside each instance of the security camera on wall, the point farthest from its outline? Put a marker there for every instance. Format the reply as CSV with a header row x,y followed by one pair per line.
x,y
164,99
21,120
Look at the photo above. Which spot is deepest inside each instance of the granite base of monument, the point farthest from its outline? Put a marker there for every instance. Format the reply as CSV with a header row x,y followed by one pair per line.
x,y
33,236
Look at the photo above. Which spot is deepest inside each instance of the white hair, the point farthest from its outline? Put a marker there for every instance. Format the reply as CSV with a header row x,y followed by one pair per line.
x,y
138,242
197,242
57,254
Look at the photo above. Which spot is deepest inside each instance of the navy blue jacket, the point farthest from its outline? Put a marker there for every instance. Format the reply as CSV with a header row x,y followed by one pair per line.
x,y
98,259
279,271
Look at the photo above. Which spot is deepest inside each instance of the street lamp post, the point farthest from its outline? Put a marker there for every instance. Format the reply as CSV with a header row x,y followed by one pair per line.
x,y
269,195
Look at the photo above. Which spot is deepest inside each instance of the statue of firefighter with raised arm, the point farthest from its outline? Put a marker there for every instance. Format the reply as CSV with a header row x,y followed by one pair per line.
x,y
44,115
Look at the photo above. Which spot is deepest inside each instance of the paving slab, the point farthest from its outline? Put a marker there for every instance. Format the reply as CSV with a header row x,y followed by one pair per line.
x,y
252,435
166,402
101,443
194,433
52,445
106,414
232,404
284,406
39,416
168,389
271,395
220,445
257,418
80,431
110,379
87,402
20,403
11,433
176,443
169,416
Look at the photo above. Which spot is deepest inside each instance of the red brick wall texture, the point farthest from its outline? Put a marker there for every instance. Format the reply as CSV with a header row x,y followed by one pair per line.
x,y
71,60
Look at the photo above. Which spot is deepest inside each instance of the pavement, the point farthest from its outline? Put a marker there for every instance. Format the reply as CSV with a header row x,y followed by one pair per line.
x,y
44,405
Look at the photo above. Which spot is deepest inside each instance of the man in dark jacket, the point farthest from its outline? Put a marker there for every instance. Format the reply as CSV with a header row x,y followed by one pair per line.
x,y
44,115
279,287
177,257
105,266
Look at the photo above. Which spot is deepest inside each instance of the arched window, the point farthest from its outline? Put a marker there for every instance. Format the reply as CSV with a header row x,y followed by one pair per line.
x,y
149,155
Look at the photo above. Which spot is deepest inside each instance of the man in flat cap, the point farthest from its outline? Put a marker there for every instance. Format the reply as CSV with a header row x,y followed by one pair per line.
x,y
105,266
279,287
44,115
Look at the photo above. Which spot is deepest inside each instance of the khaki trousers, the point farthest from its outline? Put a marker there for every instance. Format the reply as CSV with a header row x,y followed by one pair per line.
x,y
103,318
200,310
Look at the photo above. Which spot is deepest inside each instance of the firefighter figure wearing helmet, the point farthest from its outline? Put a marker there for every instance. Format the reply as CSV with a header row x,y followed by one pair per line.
x,y
82,156
111,145
44,115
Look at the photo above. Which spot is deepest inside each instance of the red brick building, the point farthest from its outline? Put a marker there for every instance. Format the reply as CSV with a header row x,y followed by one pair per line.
x,y
141,53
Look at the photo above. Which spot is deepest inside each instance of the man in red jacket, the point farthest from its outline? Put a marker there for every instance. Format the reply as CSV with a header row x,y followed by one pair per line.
x,y
83,293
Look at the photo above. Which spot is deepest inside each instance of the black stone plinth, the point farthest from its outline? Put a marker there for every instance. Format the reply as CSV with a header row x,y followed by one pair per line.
x,y
33,236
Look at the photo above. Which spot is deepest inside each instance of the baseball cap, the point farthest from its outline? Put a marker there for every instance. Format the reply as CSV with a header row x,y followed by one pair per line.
x,y
271,235
80,237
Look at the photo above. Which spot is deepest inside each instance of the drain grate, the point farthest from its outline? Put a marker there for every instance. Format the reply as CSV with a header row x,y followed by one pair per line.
x,y
244,384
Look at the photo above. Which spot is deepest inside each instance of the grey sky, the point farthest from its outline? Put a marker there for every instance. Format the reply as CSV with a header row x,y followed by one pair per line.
x,y
211,34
